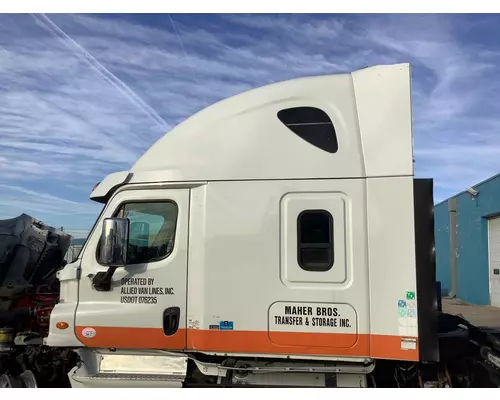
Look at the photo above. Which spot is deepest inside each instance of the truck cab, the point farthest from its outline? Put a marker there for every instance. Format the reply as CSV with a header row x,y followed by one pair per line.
x,y
274,227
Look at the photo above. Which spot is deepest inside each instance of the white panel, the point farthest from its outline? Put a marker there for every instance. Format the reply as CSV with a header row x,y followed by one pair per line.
x,y
65,309
234,260
106,309
242,138
142,364
391,246
108,184
494,257
312,317
292,204
383,101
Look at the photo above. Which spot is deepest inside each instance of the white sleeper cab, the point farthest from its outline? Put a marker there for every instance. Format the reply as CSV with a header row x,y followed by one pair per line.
x,y
268,240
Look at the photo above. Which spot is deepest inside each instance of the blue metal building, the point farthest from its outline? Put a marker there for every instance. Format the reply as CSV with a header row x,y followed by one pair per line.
x,y
467,236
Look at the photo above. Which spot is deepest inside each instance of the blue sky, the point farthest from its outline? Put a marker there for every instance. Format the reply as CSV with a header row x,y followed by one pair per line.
x,y
84,95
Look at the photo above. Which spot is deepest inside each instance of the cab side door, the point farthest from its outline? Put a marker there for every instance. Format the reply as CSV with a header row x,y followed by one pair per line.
x,y
146,306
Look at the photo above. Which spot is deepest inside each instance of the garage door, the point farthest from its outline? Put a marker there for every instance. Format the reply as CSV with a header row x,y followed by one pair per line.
x,y
494,256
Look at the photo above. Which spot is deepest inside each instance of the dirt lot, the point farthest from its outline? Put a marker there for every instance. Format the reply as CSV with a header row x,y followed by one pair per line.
x,y
478,315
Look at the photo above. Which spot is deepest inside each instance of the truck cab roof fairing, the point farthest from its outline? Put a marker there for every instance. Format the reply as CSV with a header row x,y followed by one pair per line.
x,y
103,190
243,137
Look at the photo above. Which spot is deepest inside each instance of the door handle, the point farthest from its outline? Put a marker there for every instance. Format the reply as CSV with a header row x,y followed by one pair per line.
x,y
171,318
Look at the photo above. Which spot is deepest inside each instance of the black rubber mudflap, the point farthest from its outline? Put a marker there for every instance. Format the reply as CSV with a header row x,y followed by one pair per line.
x,y
426,270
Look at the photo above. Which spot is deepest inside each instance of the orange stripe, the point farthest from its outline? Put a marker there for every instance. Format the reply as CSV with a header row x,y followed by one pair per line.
x,y
381,346
133,338
259,342
387,347
307,339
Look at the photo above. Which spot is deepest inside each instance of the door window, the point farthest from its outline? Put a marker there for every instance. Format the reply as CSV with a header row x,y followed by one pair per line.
x,y
152,230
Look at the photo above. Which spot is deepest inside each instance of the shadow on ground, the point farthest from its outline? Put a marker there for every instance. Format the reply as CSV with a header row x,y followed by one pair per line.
x,y
486,316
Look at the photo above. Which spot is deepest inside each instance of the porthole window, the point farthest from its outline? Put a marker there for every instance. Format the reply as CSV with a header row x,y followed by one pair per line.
x,y
315,240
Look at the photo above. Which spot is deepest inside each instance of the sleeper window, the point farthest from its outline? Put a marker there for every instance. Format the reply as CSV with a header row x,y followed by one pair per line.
x,y
315,240
312,125
152,230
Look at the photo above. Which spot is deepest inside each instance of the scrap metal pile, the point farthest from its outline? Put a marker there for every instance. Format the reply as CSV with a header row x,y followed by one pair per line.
x,y
31,253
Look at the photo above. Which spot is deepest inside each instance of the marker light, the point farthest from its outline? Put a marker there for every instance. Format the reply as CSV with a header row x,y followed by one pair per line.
x,y
62,325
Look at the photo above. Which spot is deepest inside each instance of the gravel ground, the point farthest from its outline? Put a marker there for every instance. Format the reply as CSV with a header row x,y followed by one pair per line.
x,y
487,316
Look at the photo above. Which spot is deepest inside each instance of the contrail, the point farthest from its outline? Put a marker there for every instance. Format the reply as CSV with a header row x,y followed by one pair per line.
x,y
185,54
97,66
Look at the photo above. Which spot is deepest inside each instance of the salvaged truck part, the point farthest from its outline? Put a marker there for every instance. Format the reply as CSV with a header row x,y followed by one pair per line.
x,y
276,238
31,253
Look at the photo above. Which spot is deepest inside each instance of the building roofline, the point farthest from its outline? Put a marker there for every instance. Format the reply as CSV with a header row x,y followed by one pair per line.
x,y
473,186
444,201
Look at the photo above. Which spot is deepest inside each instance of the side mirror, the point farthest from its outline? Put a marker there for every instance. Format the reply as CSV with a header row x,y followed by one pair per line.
x,y
114,242
112,252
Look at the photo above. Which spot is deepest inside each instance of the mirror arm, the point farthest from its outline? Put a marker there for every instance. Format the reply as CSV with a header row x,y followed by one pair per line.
x,y
102,280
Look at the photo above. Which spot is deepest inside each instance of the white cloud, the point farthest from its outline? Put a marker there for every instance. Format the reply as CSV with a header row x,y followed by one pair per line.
x,y
67,121
54,210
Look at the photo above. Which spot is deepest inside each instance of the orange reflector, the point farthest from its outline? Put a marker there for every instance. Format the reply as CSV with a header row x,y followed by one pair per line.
x,y
62,325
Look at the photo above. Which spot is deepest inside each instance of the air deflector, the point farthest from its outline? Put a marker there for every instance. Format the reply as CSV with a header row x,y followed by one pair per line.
x,y
312,125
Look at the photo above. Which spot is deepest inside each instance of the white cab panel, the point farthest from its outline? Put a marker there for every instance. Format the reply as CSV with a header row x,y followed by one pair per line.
x,y
140,292
292,205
